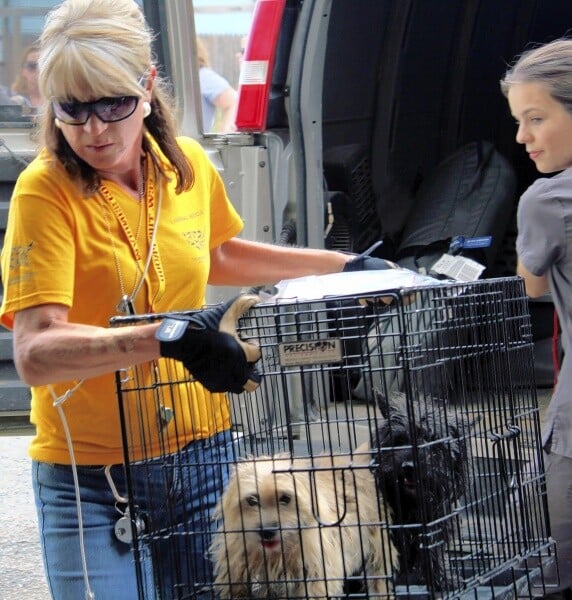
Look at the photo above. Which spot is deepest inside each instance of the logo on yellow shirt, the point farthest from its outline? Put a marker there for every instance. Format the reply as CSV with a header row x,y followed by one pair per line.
x,y
196,238
20,256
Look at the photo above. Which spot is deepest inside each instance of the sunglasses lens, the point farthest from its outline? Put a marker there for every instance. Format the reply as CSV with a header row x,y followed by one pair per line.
x,y
73,113
115,109
107,110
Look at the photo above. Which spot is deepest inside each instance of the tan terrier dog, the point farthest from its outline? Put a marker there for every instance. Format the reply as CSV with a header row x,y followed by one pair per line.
x,y
297,528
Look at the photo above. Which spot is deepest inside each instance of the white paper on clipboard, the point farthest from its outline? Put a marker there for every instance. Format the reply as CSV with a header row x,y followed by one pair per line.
x,y
317,287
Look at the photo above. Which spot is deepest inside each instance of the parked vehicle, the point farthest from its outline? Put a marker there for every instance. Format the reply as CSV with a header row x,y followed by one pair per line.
x,y
346,108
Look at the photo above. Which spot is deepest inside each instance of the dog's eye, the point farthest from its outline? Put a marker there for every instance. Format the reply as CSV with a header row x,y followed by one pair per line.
x,y
285,499
252,500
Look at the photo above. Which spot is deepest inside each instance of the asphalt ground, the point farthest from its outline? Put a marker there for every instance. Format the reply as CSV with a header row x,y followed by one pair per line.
x,y
21,569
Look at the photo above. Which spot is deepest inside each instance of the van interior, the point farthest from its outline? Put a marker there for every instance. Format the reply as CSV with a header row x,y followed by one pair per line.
x,y
406,85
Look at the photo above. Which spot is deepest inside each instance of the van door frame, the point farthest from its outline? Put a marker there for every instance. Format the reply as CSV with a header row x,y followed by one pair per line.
x,y
178,19
304,107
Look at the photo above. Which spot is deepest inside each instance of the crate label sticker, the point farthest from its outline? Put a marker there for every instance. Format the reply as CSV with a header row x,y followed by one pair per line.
x,y
310,352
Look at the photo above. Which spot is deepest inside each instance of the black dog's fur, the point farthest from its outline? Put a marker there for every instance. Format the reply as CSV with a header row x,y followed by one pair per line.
x,y
420,463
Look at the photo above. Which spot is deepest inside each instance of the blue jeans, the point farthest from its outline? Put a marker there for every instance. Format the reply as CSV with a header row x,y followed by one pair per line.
x,y
175,495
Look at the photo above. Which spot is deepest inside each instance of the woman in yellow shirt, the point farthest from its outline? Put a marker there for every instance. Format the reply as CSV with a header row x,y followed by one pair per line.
x,y
116,213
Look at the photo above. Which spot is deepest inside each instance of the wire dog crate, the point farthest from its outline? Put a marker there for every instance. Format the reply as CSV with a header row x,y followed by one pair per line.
x,y
392,450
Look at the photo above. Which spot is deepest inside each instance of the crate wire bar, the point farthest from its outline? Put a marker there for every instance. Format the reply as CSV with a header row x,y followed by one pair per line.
x,y
419,403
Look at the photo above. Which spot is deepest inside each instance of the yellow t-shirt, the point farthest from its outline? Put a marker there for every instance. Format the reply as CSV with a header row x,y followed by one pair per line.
x,y
85,253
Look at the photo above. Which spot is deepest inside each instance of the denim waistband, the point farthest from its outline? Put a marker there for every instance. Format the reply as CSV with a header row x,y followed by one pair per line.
x,y
217,438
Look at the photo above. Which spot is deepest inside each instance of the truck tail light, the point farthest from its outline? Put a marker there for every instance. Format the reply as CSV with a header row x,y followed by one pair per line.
x,y
258,64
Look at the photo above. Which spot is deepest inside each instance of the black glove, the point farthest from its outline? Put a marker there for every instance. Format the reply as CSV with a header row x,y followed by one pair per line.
x,y
365,262
207,344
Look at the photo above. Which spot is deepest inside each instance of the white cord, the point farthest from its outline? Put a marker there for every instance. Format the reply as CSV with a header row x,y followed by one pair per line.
x,y
151,244
58,401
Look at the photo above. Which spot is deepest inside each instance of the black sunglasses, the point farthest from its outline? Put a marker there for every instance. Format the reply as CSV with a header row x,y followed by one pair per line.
x,y
108,110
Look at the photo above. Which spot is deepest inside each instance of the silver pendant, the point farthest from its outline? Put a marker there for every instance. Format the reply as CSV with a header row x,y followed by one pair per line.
x,y
125,306
165,415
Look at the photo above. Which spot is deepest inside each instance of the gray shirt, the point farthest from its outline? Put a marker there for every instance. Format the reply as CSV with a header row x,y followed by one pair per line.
x,y
544,245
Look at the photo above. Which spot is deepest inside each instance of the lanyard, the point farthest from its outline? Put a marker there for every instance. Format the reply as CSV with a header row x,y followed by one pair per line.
x,y
153,212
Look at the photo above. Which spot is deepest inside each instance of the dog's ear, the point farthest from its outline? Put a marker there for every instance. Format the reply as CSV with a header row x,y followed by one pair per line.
x,y
382,403
396,404
398,407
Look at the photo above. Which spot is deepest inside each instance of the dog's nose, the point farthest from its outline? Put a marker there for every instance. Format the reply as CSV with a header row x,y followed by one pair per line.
x,y
408,469
268,533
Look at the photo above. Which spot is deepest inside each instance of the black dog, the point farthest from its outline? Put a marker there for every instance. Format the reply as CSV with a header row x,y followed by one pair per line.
x,y
420,464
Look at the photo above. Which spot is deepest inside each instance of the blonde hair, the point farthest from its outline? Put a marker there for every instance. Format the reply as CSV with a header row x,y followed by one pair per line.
x,y
202,54
20,85
95,48
549,65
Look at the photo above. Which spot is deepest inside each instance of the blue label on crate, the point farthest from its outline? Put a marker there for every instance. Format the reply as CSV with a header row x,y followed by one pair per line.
x,y
310,352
